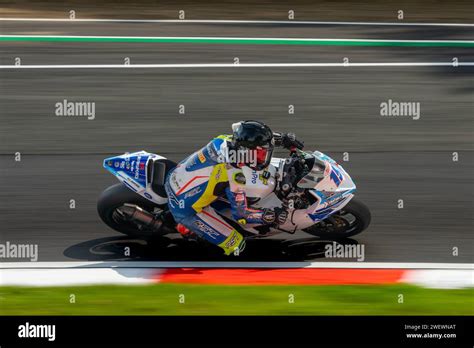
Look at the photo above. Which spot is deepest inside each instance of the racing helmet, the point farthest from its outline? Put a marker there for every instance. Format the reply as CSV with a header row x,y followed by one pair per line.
x,y
254,139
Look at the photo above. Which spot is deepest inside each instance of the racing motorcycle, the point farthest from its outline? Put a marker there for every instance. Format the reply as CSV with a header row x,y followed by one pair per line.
x,y
316,191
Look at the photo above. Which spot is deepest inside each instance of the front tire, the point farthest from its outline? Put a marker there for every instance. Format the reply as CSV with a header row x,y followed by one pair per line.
x,y
114,197
351,220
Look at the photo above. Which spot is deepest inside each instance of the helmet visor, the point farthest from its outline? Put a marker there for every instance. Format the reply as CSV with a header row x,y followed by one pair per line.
x,y
262,157
261,154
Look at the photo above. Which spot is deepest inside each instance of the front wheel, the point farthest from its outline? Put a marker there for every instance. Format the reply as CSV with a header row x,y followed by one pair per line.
x,y
351,220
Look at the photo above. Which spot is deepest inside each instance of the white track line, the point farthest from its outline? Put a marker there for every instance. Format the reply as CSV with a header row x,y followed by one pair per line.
x,y
210,264
231,65
289,39
223,21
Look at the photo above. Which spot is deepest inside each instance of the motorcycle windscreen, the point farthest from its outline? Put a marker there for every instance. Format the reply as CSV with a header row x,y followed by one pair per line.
x,y
315,174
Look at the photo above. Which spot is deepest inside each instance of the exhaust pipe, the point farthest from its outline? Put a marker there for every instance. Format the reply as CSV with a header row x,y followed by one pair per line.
x,y
133,212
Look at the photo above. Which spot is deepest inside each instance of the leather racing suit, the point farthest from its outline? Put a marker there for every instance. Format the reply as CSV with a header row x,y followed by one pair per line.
x,y
199,180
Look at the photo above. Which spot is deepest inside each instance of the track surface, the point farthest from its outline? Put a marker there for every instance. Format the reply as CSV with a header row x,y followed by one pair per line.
x,y
336,111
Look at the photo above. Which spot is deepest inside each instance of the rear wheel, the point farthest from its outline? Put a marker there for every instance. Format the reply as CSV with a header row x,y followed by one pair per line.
x,y
116,196
351,220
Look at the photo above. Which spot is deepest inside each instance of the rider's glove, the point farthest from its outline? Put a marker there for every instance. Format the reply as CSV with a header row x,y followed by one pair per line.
x,y
276,216
281,215
289,141
268,216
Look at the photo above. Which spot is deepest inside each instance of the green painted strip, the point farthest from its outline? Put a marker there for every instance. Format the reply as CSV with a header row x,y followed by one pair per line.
x,y
252,41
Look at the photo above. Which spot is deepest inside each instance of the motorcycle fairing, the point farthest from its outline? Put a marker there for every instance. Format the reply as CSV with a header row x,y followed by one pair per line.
x,y
328,205
333,192
131,170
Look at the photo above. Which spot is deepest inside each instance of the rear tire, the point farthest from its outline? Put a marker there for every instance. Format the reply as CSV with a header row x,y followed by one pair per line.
x,y
115,196
353,219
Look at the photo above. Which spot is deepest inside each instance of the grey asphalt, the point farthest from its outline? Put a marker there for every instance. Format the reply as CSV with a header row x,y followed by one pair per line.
x,y
336,110
409,32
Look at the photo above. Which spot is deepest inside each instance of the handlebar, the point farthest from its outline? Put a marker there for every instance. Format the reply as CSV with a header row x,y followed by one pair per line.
x,y
291,171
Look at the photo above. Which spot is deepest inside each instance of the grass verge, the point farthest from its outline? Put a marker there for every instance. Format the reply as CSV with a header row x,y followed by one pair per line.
x,y
164,299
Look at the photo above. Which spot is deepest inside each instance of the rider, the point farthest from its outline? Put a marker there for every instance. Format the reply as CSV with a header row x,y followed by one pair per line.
x,y
215,171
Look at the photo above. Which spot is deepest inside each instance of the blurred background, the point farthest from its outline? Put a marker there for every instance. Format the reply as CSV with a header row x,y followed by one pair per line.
x,y
336,110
